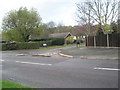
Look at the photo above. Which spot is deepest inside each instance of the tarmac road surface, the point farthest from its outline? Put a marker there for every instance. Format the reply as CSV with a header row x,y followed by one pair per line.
x,y
58,72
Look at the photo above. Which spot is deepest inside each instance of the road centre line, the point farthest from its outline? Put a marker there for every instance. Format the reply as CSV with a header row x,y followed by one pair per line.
x,y
110,69
34,63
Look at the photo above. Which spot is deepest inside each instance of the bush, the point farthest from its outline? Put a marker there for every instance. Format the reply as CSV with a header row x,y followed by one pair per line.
x,y
7,46
27,45
24,45
31,45
58,41
70,40
49,43
42,39
21,45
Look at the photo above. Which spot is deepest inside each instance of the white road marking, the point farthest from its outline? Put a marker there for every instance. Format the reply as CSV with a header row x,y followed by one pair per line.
x,y
112,69
34,63
21,54
2,60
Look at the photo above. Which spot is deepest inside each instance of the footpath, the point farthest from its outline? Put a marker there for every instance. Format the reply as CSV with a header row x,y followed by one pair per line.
x,y
111,53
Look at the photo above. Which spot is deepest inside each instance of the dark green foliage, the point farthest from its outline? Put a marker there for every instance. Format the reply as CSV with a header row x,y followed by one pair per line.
x,y
114,27
42,39
54,41
24,45
18,25
49,43
31,45
57,41
68,42
18,46
8,46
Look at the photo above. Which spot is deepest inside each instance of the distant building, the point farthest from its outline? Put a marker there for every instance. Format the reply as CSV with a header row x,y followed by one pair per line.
x,y
60,35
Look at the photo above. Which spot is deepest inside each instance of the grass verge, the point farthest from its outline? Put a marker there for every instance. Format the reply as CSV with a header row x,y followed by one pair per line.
x,y
8,84
53,47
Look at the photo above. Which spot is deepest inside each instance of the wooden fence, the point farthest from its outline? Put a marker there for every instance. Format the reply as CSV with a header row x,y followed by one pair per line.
x,y
101,40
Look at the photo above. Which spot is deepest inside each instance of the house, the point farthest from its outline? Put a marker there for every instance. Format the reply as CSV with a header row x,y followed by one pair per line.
x,y
60,35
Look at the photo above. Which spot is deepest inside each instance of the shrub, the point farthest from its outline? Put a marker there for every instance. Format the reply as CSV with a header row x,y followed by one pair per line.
x,y
7,46
21,45
27,45
24,45
49,43
31,45
42,39
70,40
57,41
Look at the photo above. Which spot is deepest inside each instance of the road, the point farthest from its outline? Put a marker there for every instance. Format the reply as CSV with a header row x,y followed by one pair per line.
x,y
56,71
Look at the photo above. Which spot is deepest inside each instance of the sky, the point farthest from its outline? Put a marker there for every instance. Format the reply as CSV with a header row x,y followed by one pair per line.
x,y
59,11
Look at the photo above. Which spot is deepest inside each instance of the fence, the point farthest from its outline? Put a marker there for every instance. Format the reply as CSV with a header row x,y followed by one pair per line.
x,y
101,40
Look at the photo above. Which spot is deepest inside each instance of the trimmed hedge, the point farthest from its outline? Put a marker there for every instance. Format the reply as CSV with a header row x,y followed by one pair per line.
x,y
18,46
8,47
54,41
42,39
58,41
31,45
24,45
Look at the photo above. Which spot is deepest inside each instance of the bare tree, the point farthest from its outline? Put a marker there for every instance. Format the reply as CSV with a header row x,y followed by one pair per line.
x,y
51,24
101,12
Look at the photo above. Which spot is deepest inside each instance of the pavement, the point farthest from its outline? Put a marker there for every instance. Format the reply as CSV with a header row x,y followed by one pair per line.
x,y
111,53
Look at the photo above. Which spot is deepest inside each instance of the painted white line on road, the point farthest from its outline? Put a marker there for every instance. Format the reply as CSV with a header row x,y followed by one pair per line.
x,y
2,60
34,63
112,69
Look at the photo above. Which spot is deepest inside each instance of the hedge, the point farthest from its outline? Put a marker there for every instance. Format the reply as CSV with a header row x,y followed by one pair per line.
x,y
58,41
6,46
54,41
24,45
42,39
31,45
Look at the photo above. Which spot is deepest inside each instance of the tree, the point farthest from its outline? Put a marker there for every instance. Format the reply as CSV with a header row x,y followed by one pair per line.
x,y
114,27
20,24
80,30
102,12
70,40
98,11
51,24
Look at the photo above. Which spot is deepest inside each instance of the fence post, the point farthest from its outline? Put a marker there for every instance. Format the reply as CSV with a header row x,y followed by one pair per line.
x,y
94,41
107,40
87,40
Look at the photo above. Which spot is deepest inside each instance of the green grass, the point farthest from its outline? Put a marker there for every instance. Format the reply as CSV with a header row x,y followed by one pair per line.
x,y
53,47
8,84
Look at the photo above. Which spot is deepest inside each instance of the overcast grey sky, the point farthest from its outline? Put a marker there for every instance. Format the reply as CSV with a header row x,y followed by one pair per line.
x,y
59,11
